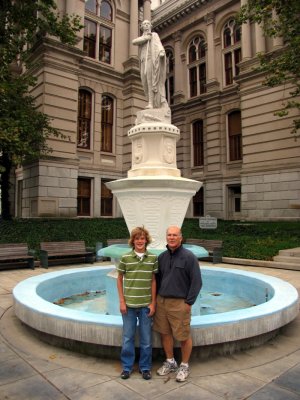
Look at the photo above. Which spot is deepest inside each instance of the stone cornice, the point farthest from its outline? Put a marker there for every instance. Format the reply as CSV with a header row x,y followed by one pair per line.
x,y
173,11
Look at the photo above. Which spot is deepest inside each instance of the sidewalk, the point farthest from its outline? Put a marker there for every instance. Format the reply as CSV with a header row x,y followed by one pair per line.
x,y
33,370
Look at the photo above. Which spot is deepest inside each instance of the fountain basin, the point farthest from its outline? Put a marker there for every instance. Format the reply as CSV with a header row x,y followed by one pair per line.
x,y
33,304
116,251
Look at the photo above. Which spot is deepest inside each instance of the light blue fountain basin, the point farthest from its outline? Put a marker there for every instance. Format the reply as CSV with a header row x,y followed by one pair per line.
x,y
34,297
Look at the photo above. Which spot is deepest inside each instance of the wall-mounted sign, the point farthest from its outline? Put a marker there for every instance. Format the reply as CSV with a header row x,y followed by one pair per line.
x,y
208,222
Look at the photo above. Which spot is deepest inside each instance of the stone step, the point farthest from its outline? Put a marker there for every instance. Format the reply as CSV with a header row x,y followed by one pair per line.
x,y
290,252
261,263
291,260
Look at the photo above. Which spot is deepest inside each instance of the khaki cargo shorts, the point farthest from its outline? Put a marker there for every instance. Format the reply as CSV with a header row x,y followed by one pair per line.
x,y
171,317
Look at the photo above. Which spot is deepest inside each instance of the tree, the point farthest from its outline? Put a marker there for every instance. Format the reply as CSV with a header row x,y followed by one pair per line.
x,y
23,129
279,18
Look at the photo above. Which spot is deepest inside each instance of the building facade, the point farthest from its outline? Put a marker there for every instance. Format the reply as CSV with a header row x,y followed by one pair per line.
x,y
231,140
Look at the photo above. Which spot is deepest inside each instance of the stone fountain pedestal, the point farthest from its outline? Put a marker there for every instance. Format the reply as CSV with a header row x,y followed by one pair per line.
x,y
154,194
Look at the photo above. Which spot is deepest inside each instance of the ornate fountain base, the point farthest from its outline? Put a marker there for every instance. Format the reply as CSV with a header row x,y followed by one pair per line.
x,y
155,202
154,194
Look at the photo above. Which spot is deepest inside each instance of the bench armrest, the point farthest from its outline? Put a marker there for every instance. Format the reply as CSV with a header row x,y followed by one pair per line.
x,y
32,252
44,258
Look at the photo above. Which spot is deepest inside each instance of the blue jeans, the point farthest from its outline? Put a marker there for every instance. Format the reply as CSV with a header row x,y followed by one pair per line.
x,y
145,331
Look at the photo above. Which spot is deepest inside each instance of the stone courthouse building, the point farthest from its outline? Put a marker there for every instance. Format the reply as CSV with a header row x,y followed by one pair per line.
x,y
230,140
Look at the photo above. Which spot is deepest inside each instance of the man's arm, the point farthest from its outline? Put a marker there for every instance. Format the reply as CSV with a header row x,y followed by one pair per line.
x,y
196,281
142,39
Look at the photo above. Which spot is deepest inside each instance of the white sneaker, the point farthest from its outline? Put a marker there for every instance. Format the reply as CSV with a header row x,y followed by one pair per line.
x,y
182,373
167,367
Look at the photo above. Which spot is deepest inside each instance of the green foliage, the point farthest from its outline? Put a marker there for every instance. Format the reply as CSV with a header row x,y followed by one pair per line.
x,y
255,240
24,130
279,18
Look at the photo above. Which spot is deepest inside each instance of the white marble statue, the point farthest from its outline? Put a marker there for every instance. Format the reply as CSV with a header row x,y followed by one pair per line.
x,y
152,66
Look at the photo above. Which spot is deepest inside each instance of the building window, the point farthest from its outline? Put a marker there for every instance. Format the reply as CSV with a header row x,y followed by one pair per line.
x,y
197,66
198,204
98,30
198,147
234,197
90,31
84,119
235,135
105,44
106,10
170,77
106,200
84,197
107,120
231,50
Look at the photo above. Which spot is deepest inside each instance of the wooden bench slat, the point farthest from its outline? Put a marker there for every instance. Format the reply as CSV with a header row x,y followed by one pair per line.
x,y
15,254
62,251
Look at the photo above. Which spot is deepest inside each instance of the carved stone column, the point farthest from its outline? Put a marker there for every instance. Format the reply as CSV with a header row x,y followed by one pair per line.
x,y
246,38
277,41
260,39
178,82
147,10
211,71
134,27
211,83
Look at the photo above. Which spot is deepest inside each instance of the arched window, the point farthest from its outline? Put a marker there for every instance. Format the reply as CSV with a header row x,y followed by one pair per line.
x,y
231,50
84,119
197,66
235,135
107,120
98,30
198,144
91,5
106,10
170,77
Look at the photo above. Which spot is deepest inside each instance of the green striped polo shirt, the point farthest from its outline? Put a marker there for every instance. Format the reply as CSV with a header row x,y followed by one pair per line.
x,y
137,278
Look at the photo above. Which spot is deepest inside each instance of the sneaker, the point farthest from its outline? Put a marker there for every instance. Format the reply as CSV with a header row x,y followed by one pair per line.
x,y
167,367
125,374
182,373
146,374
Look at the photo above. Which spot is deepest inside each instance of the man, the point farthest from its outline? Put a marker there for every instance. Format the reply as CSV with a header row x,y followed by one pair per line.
x,y
152,66
178,285
137,294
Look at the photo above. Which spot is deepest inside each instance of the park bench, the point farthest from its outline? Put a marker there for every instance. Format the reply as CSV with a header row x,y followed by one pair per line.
x,y
116,241
214,248
14,255
64,253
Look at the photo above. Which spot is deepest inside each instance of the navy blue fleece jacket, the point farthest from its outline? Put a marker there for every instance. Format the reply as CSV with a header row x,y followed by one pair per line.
x,y
179,275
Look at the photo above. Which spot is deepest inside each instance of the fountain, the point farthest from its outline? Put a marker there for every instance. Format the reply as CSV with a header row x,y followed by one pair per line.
x,y
276,304
154,195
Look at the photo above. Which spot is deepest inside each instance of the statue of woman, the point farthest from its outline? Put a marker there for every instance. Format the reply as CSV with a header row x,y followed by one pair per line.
x,y
152,66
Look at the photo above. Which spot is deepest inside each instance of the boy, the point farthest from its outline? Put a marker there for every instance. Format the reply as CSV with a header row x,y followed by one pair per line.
x,y
137,294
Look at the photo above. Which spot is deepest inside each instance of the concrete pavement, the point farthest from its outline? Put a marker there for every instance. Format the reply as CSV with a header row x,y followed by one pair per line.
x,y
31,369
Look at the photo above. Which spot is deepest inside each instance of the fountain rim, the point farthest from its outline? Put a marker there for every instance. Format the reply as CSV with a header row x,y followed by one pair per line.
x,y
285,296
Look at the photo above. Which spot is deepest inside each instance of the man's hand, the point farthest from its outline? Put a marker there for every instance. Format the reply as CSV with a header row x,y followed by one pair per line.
x,y
151,310
188,307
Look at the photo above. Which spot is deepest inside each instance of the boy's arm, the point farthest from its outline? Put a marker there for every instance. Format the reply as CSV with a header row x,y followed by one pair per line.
x,y
152,305
123,307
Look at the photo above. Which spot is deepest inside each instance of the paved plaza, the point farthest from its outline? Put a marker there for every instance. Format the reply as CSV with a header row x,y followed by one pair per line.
x,y
31,369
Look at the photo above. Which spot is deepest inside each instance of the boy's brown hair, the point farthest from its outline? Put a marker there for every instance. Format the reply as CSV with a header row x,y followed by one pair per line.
x,y
139,231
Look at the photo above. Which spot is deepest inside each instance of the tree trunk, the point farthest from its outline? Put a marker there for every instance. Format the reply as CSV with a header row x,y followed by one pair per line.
x,y
5,185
